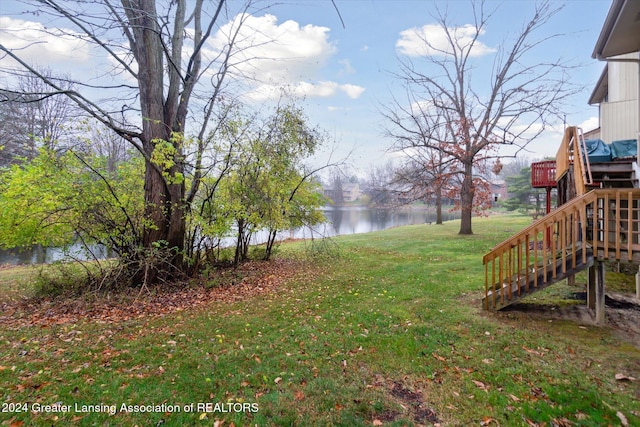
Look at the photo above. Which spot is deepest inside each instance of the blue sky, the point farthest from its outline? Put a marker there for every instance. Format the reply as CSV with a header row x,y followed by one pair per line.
x,y
345,73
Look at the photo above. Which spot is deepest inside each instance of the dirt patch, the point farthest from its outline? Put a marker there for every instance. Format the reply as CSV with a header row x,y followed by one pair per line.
x,y
233,284
622,314
415,403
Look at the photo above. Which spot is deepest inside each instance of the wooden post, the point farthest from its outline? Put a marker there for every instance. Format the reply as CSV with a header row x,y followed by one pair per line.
x,y
591,287
638,283
600,318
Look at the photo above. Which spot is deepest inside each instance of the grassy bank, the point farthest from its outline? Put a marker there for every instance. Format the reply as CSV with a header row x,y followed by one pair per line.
x,y
389,332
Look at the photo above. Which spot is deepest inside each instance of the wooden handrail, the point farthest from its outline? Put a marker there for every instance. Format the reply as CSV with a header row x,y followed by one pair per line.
x,y
604,223
573,151
583,154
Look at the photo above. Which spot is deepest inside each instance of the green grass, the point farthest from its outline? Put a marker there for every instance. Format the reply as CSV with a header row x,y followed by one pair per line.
x,y
390,331
15,282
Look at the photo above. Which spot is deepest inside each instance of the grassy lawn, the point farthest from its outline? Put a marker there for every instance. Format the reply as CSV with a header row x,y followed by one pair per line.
x,y
387,331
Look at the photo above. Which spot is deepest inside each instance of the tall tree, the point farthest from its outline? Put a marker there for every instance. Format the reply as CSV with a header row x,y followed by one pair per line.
x,y
449,110
160,47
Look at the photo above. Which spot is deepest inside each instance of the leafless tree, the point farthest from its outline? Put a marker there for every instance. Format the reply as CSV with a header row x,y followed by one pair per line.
x,y
427,175
378,184
448,110
107,144
30,118
165,81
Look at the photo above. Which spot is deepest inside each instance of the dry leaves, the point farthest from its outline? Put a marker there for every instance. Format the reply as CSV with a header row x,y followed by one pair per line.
x,y
480,385
249,279
623,377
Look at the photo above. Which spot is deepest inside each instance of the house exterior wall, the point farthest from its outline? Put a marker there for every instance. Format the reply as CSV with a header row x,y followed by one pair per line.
x,y
619,114
623,79
593,134
619,120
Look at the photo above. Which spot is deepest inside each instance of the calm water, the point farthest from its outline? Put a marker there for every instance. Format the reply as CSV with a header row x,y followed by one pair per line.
x,y
341,220
352,220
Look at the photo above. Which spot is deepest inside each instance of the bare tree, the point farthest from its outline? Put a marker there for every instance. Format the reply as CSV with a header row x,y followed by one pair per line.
x,y
106,143
468,120
31,118
428,174
378,184
160,47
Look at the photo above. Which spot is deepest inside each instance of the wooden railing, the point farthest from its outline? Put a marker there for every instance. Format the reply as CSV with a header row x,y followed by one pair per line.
x,y
572,151
602,223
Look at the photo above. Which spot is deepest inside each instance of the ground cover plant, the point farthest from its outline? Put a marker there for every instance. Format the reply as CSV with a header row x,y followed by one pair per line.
x,y
383,328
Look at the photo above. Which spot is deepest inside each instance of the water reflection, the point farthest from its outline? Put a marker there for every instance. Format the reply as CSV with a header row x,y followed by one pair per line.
x,y
340,220
41,255
352,220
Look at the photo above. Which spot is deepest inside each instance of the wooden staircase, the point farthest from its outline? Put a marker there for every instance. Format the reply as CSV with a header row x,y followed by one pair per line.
x,y
600,224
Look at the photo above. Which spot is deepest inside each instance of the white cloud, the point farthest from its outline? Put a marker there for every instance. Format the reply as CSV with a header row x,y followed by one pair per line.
x,y
352,91
322,89
347,68
38,45
272,52
432,40
590,124
272,58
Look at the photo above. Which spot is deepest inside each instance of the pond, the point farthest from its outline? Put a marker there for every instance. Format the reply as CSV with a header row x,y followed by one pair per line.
x,y
352,220
340,221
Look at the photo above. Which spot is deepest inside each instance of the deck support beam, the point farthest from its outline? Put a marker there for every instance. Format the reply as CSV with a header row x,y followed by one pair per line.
x,y
599,291
591,287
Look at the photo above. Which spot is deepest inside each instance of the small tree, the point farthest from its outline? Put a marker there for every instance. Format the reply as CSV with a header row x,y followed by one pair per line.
x,y
522,196
58,199
337,190
263,184
427,175
378,184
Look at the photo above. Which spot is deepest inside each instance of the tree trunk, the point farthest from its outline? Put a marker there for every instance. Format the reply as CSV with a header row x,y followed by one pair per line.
x,y
164,199
239,243
439,205
466,200
271,240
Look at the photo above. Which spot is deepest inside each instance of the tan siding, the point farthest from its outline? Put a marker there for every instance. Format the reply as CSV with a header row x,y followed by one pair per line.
x,y
619,120
623,80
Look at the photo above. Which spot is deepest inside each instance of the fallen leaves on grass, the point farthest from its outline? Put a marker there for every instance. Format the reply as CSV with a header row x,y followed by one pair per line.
x,y
562,422
532,351
623,377
256,277
623,420
480,385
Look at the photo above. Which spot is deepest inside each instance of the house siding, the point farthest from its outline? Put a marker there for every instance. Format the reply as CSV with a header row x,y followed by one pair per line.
x,y
619,115
619,120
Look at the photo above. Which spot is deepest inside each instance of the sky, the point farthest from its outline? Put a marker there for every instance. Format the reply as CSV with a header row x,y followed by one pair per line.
x,y
341,60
